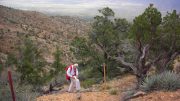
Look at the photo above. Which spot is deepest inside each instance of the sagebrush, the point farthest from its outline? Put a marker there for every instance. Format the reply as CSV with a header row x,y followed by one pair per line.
x,y
165,81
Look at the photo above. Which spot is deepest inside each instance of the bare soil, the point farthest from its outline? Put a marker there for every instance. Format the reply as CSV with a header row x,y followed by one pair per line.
x,y
102,93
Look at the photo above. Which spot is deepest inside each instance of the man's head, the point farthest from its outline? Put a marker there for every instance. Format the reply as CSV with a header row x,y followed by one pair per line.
x,y
76,65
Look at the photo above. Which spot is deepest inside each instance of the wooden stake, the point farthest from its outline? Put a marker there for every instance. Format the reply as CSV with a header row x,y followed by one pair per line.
x,y
104,66
11,86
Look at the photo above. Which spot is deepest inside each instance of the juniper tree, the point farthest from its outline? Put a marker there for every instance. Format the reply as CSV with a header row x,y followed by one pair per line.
x,y
107,31
169,41
57,66
31,64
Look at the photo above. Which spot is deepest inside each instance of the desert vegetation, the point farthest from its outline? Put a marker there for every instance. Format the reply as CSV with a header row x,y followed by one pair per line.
x,y
37,48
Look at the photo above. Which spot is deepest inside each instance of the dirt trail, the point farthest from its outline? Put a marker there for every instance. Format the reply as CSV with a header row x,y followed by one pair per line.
x,y
160,96
102,94
88,96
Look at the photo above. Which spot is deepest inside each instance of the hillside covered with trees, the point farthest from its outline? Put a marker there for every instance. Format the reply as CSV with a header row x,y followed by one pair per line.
x,y
142,56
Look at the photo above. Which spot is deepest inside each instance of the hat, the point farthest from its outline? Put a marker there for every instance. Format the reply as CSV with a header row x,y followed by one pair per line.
x,y
76,64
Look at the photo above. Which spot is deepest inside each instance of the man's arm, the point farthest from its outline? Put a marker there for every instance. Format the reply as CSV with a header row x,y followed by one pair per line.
x,y
76,71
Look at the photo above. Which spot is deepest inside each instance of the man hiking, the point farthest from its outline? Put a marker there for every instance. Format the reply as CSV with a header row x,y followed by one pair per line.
x,y
72,75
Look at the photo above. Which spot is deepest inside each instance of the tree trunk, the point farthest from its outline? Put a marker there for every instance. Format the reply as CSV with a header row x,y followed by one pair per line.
x,y
163,63
140,79
140,67
142,74
50,88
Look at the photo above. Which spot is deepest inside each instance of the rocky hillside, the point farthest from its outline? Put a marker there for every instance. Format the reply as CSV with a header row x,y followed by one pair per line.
x,y
47,31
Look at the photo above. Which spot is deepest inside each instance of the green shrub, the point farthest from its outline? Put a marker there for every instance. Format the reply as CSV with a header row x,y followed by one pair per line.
x,y
24,93
5,93
1,68
87,83
164,81
113,91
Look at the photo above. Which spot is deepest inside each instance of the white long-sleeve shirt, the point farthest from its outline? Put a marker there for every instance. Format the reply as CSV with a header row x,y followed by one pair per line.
x,y
70,72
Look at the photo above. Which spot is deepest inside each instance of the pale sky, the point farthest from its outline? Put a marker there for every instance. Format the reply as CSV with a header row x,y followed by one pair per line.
x,y
123,8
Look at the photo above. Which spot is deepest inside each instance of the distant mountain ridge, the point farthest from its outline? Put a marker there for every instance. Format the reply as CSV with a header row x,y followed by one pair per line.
x,y
47,31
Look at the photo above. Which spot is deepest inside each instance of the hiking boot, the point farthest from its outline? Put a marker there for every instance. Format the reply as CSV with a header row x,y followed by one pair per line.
x,y
69,91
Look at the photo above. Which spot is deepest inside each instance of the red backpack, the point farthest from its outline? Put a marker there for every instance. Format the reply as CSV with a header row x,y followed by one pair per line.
x,y
68,77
